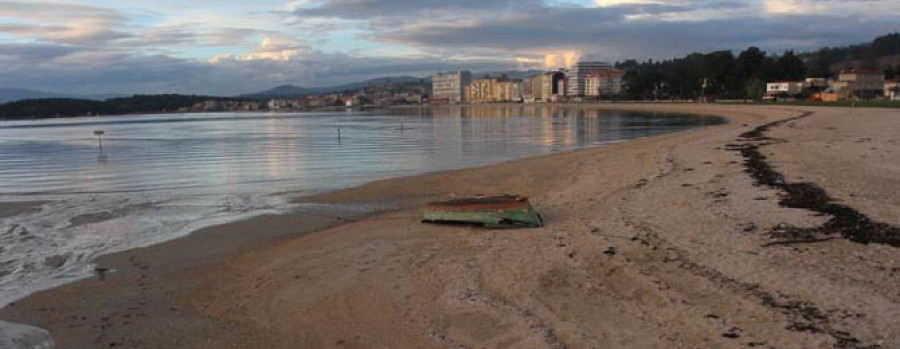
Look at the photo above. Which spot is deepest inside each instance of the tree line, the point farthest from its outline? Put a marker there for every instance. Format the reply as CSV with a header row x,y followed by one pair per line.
x,y
721,74
67,107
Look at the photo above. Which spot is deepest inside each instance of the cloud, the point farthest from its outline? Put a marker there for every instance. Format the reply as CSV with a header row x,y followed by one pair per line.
x,y
59,68
230,47
62,23
274,48
532,31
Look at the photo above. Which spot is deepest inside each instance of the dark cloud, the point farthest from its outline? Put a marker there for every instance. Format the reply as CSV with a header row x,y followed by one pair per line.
x,y
66,69
368,9
618,38
638,30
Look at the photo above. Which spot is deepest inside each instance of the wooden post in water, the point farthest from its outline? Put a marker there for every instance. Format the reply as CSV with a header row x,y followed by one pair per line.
x,y
99,134
100,157
339,135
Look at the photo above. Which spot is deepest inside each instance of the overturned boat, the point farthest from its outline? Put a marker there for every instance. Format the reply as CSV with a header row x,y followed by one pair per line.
x,y
495,212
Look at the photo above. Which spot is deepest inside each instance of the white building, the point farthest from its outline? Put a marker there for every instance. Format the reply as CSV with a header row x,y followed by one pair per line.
x,y
892,90
817,83
577,76
450,87
604,83
782,88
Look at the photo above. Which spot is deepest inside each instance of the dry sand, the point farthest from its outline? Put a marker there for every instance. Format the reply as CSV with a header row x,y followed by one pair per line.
x,y
660,242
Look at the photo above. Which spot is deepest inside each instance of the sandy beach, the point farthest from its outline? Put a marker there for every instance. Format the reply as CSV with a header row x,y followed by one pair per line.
x,y
662,242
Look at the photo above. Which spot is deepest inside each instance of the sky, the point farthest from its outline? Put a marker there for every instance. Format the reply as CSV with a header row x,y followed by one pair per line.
x,y
228,47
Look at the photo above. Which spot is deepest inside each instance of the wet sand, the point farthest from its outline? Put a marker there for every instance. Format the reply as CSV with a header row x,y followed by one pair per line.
x,y
10,209
654,243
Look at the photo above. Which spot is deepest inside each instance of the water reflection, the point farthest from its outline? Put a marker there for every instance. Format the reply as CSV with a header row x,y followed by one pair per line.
x,y
217,153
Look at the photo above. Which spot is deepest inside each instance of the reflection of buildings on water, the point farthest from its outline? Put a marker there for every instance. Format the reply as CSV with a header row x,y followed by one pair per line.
x,y
553,127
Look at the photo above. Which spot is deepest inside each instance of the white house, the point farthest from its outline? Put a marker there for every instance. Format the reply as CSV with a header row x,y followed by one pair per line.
x,y
892,90
784,88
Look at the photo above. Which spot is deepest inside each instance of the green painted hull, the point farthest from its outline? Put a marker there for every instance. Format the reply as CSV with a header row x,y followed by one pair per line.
x,y
523,216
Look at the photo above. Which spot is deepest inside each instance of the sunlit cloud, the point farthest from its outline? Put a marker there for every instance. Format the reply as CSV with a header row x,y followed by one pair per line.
x,y
272,48
608,3
561,60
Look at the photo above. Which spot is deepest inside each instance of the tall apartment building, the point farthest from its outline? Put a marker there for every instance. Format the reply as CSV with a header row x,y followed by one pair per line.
x,y
504,91
546,85
528,88
577,76
603,83
450,87
481,91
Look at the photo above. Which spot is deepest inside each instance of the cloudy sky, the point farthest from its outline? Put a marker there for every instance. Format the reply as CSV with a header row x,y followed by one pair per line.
x,y
229,47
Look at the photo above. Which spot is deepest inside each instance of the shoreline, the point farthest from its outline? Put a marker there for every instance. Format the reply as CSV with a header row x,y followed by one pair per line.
x,y
878,104
204,291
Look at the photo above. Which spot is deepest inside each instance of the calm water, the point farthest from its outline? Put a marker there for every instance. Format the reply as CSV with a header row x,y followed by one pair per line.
x,y
161,176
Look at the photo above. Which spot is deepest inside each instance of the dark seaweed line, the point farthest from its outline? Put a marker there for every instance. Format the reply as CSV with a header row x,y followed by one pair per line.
x,y
847,222
802,316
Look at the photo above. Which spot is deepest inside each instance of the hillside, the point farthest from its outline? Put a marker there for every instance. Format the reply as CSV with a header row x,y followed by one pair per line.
x,y
16,94
883,53
292,91
70,107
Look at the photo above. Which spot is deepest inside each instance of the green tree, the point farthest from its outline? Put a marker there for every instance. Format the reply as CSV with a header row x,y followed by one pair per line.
x,y
886,45
755,88
789,67
749,65
718,71
819,65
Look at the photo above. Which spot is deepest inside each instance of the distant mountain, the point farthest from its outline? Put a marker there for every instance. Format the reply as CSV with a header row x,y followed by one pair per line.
x,y
16,94
288,91
280,91
69,107
291,91
513,74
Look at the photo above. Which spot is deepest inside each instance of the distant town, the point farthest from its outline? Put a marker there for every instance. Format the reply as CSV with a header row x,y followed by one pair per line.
x,y
583,82
858,72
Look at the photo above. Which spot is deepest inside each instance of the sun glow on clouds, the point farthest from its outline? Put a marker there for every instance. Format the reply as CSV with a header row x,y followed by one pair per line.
x,y
272,48
551,60
609,3
787,6
561,59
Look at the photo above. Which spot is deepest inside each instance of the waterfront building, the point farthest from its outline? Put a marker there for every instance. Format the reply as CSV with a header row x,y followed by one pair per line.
x,y
518,91
561,89
481,90
450,87
577,76
537,87
604,83
503,90
528,89
545,86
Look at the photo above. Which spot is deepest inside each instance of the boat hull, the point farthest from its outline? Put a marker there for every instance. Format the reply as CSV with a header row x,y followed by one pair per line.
x,y
494,212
